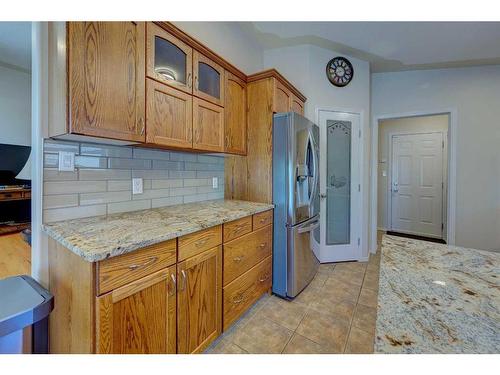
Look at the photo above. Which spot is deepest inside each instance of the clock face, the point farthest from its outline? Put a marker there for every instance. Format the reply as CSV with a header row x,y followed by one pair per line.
x,y
339,71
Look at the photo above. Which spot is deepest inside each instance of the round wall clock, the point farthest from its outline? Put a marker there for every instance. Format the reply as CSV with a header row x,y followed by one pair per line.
x,y
339,71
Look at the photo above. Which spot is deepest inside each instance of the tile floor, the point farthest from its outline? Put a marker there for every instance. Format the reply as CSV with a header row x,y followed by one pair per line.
x,y
336,313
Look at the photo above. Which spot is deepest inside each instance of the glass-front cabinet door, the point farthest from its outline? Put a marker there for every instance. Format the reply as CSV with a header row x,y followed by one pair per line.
x,y
169,60
208,79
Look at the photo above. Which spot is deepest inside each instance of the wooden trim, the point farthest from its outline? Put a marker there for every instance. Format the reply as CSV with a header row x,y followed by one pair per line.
x,y
186,38
273,73
104,324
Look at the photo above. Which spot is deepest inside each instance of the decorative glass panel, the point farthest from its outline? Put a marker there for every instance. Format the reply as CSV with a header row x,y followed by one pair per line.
x,y
338,184
208,80
170,60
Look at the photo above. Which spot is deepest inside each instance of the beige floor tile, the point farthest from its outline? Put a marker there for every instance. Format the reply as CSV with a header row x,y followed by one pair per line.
x,y
340,289
262,336
371,281
226,347
302,345
285,313
243,320
307,296
326,268
365,318
351,266
359,342
330,304
368,297
319,280
350,277
325,330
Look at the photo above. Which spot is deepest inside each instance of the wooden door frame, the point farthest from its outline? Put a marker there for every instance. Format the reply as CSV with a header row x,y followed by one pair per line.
x,y
452,169
389,174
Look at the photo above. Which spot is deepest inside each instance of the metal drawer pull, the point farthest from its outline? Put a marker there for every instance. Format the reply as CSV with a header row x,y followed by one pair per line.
x,y
264,279
201,242
172,292
184,277
190,80
150,261
262,245
238,258
238,299
263,220
239,227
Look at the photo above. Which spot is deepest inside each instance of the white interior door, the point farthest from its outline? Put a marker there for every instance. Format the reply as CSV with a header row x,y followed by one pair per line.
x,y
340,207
417,184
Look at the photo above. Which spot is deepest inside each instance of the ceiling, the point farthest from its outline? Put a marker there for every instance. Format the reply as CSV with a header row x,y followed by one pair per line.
x,y
390,46
15,45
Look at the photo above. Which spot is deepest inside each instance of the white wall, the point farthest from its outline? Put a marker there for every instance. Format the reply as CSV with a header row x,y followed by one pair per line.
x,y
475,95
305,67
420,124
15,107
229,41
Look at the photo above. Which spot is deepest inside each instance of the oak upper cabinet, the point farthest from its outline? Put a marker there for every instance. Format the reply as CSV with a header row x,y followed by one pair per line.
x,y
168,59
169,116
208,79
235,119
139,317
282,97
297,105
106,79
199,300
208,126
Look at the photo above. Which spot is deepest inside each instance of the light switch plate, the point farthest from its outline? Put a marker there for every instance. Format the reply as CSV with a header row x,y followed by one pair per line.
x,y
66,161
137,186
215,182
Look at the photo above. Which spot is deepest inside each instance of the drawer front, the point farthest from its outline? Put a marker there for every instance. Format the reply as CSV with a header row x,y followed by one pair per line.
x,y
239,295
121,270
262,219
245,252
12,195
195,243
237,228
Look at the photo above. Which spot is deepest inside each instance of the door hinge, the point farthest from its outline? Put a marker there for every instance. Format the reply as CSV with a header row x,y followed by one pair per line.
x,y
442,227
359,187
359,241
359,133
442,144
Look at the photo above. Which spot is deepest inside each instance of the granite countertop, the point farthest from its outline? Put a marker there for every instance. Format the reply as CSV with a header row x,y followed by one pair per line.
x,y
435,298
101,237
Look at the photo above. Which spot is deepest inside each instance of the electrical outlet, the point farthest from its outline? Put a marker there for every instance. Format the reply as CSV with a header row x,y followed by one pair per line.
x,y
66,161
137,186
215,182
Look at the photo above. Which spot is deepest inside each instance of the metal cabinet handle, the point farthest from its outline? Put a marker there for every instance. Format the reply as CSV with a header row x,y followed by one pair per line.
x,y
196,83
150,261
201,242
190,80
263,220
239,227
174,282
262,245
308,228
184,277
238,259
264,278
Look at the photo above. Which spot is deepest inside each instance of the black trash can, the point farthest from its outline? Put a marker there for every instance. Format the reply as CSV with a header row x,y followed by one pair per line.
x,y
24,302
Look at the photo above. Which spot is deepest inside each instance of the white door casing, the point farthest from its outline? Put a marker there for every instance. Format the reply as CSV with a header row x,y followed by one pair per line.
x,y
416,184
351,250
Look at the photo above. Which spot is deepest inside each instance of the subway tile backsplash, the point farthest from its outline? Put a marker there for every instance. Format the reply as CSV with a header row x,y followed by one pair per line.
x,y
102,181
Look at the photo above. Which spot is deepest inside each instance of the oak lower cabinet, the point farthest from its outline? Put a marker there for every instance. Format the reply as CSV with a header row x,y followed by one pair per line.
x,y
140,317
199,301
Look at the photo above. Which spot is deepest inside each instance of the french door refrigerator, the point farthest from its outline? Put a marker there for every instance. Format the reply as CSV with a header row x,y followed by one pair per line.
x,y
296,200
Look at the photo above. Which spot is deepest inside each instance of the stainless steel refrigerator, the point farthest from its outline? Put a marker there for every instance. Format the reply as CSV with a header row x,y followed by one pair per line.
x,y
296,200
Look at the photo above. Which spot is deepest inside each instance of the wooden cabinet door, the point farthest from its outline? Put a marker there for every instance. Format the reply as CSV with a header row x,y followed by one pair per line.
x,y
297,105
208,126
208,79
235,116
168,116
106,79
139,317
281,97
168,59
199,301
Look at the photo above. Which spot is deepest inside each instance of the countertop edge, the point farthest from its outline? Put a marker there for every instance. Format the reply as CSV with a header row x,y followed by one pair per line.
x,y
93,258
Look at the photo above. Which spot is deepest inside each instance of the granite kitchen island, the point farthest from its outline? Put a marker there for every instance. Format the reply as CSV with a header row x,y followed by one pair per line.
x,y
435,298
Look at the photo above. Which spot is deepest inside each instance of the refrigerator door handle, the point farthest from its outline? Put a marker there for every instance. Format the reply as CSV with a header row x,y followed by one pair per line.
x,y
315,170
309,228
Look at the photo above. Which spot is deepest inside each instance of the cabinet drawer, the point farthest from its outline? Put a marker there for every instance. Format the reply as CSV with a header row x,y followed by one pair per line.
x,y
198,242
121,270
11,195
237,228
262,219
239,295
243,253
